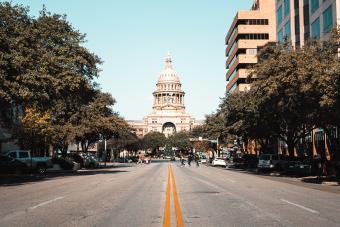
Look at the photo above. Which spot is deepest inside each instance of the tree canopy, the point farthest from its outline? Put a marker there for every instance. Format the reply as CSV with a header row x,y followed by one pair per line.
x,y
46,73
294,91
154,140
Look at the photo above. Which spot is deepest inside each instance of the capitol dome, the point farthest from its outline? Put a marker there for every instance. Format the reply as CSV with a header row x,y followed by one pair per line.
x,y
168,111
168,75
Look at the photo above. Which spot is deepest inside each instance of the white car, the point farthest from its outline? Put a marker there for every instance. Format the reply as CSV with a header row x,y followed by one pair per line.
x,y
203,161
219,162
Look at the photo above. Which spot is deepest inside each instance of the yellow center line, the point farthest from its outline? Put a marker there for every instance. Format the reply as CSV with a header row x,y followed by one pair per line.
x,y
178,211
166,221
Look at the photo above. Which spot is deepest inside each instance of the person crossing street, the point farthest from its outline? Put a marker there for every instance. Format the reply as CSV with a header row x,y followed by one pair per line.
x,y
197,159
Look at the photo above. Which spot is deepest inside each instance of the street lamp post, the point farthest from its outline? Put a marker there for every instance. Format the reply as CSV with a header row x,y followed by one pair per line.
x,y
105,144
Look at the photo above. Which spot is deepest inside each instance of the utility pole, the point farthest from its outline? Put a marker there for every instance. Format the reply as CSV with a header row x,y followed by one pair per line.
x,y
105,151
218,153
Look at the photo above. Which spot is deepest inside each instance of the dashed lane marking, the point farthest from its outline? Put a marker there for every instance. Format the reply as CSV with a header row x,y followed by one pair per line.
x,y
45,203
300,206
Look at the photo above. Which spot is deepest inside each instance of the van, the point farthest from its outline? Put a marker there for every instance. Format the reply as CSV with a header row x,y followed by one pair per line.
x,y
272,161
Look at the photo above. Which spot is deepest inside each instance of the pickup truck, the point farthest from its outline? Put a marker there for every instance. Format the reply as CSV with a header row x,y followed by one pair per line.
x,y
39,164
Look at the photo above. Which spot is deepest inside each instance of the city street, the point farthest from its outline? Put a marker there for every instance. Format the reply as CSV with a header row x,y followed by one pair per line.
x,y
137,196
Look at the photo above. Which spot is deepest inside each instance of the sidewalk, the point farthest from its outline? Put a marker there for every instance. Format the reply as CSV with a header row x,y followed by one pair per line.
x,y
328,184
114,165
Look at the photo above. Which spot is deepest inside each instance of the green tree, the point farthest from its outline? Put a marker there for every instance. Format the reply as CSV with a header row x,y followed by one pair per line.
x,y
153,141
290,96
44,66
327,67
96,121
245,117
179,140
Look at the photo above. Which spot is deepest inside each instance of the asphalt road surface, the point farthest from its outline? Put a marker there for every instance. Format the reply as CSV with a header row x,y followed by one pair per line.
x,y
159,195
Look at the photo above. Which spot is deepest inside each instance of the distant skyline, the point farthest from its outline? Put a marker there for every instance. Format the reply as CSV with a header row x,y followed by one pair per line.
x,y
133,37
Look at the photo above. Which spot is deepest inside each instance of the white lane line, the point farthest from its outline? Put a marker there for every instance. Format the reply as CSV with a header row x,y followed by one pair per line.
x,y
300,206
45,203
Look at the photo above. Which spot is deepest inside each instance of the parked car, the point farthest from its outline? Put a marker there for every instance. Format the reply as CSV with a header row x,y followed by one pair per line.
x,y
219,162
237,162
11,165
272,161
299,168
76,157
172,158
203,159
132,159
90,160
119,160
39,164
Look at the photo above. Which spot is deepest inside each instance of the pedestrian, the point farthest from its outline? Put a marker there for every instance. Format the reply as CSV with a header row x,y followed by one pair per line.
x,y
189,159
324,169
319,171
182,161
197,159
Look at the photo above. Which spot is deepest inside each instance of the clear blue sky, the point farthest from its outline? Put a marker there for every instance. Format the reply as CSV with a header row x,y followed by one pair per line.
x,y
133,37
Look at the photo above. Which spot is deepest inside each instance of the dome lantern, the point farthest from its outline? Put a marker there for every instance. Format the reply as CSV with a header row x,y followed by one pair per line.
x,y
168,75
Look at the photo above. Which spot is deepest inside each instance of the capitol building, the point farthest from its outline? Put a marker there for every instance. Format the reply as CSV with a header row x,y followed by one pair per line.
x,y
168,112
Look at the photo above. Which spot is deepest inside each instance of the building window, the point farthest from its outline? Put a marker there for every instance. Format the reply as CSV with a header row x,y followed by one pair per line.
x,y
297,25
233,88
280,36
232,75
316,29
252,51
279,15
287,7
287,30
306,19
314,5
327,19
231,35
254,36
232,48
253,22
232,61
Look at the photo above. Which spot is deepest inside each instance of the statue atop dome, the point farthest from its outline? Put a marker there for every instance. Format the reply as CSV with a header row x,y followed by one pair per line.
x,y
168,62
168,74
